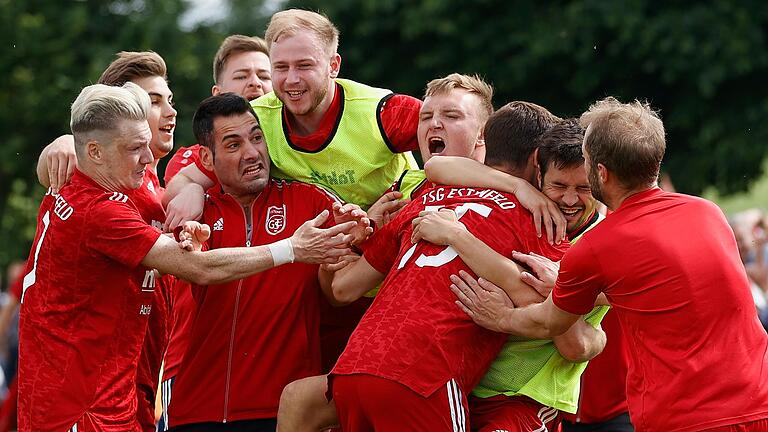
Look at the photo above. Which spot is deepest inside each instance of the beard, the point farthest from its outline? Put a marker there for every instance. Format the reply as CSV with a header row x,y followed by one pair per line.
x,y
594,183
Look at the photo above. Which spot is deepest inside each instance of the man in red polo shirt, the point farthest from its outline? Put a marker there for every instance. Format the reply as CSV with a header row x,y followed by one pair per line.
x,y
669,265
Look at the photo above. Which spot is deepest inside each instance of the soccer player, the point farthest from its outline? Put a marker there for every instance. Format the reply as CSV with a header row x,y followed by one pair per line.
x,y
240,66
669,265
232,374
411,353
451,122
530,381
148,71
89,283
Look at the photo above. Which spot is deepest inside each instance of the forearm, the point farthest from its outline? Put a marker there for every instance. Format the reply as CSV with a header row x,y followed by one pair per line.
x,y
42,168
581,342
494,267
354,280
537,321
454,170
188,177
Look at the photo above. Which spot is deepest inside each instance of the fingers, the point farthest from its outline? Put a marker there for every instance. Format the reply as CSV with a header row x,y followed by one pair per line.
x,y
463,284
537,221
391,206
389,197
489,286
321,218
53,174
336,229
62,171
172,220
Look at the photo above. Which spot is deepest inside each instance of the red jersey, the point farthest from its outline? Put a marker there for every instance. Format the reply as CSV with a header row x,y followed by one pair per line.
x,y
84,310
186,156
603,393
669,265
414,333
399,121
253,336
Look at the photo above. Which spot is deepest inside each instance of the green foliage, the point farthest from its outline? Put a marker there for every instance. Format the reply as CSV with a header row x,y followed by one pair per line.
x,y
701,64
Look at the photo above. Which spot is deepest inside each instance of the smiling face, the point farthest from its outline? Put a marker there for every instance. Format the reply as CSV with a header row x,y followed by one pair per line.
x,y
240,158
450,125
161,116
247,74
569,188
127,156
303,72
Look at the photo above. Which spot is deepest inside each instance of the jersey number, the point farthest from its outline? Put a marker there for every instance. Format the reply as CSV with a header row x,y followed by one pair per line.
x,y
449,253
29,278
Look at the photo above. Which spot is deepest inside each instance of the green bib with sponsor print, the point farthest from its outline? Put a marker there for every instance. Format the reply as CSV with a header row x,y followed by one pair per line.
x,y
356,162
535,369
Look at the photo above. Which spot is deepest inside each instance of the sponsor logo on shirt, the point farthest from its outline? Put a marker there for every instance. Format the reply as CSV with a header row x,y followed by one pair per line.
x,y
275,223
148,285
219,224
333,177
145,309
187,154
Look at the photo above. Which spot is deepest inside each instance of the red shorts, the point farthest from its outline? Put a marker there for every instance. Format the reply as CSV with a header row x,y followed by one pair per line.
x,y
512,414
88,423
753,426
368,403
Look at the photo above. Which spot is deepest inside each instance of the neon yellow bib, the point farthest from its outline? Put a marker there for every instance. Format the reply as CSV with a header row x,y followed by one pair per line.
x,y
356,162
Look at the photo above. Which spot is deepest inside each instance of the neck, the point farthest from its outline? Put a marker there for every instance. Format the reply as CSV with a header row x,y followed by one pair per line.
x,y
614,200
100,178
306,124
153,165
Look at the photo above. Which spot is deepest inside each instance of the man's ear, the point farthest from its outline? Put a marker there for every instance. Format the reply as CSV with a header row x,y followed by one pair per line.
x,y
206,157
603,172
335,65
215,90
95,151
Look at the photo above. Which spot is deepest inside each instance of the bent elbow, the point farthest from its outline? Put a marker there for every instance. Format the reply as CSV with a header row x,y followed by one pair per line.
x,y
342,295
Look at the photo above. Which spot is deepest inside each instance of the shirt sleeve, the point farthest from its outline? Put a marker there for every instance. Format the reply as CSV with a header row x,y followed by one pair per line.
x,y
382,249
400,119
183,157
117,231
578,282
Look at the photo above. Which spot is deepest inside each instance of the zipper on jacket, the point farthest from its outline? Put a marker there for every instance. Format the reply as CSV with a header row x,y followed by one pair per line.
x,y
234,317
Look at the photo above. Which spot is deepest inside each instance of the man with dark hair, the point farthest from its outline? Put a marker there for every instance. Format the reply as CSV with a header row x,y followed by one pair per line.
x,y
663,279
232,374
89,282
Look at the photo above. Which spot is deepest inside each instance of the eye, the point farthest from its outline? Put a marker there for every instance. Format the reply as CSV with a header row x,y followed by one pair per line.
x,y
239,77
265,77
256,138
280,68
425,116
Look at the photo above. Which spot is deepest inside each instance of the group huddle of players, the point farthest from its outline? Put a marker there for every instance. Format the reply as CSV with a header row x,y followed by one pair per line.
x,y
299,271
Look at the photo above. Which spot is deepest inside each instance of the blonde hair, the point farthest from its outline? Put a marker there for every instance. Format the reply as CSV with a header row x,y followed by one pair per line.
x,y
470,83
131,65
236,44
102,108
290,22
627,138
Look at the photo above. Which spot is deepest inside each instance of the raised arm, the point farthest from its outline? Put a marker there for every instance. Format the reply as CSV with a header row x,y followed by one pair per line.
x,y
442,228
309,244
57,162
454,170
184,196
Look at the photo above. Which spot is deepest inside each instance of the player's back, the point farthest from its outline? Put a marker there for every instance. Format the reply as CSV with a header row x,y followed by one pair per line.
x,y
672,271
414,333
83,313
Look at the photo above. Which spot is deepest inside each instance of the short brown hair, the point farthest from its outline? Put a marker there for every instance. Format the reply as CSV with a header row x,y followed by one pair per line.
x,y
628,139
131,65
291,21
561,146
471,83
512,133
236,44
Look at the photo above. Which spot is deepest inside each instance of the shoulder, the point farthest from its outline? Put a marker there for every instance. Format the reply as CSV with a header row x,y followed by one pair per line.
x,y
301,190
266,102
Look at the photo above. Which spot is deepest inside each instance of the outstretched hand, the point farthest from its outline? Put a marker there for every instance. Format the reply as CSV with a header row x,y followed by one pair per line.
x,y
61,161
186,206
353,213
544,271
315,245
483,301
192,236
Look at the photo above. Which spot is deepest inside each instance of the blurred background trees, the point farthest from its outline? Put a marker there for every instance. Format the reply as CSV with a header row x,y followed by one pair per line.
x,y
702,64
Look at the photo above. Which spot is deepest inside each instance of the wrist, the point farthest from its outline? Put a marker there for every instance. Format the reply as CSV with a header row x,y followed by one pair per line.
x,y
282,252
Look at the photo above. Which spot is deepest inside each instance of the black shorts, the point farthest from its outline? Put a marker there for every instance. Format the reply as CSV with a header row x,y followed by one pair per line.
x,y
260,425
620,423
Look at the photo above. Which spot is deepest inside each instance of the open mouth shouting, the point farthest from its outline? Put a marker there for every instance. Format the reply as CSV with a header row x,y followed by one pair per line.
x,y
253,170
436,146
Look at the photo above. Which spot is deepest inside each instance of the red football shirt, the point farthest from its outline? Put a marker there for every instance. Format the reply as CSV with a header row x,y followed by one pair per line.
x,y
84,310
669,265
253,336
414,333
